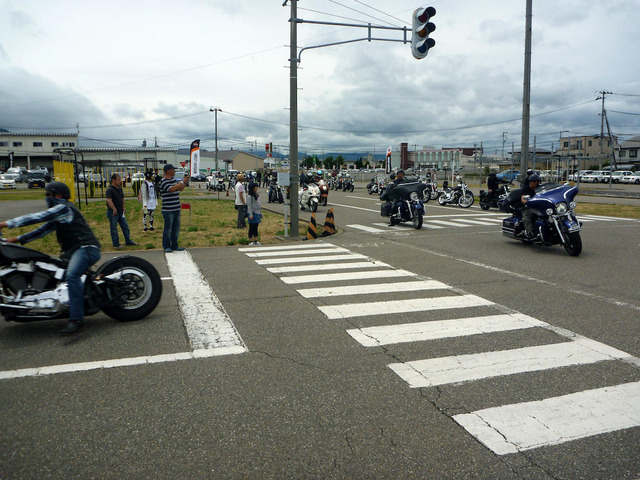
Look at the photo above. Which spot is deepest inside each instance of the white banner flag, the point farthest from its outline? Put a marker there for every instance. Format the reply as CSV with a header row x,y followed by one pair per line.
x,y
388,162
195,157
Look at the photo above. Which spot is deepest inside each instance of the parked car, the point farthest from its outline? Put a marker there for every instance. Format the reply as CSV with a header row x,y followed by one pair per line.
x,y
36,179
508,175
633,177
7,181
21,174
578,175
593,177
138,176
616,177
97,178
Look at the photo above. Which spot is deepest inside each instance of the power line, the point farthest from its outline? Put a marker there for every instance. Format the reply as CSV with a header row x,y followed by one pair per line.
x,y
363,13
380,11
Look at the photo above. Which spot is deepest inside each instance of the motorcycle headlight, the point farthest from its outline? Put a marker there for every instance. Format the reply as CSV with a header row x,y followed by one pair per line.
x,y
549,211
414,196
573,205
562,208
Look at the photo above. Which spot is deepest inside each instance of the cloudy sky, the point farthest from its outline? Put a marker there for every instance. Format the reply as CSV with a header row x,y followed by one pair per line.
x,y
125,71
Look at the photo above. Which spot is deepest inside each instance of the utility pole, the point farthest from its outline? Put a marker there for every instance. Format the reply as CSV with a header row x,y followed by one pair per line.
x,y
526,94
294,178
603,93
216,110
504,139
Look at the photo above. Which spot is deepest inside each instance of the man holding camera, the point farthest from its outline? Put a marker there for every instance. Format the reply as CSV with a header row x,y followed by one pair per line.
x,y
170,189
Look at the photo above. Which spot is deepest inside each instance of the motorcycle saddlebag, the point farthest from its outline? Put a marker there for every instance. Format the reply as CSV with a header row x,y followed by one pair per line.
x,y
385,209
509,225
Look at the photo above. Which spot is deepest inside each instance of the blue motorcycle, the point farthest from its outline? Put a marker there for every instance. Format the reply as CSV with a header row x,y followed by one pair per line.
x,y
404,203
556,222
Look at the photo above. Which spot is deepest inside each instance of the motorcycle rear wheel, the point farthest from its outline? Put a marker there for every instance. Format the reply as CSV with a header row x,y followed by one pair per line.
x,y
573,243
434,194
140,288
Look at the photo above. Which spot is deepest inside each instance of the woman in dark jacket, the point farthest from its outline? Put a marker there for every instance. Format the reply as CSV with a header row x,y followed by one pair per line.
x,y
254,213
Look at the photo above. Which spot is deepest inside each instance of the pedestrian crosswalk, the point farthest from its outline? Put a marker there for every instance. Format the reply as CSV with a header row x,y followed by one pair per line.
x,y
373,294
459,221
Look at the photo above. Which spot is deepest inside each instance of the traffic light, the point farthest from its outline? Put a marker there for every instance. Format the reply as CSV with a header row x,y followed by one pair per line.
x,y
422,27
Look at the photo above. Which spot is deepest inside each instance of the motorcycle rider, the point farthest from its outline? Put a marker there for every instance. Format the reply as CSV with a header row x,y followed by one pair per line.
x,y
493,185
528,215
525,181
77,241
396,201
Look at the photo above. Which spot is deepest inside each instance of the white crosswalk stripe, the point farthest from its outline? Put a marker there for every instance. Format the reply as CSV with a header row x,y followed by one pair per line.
x,y
503,429
461,221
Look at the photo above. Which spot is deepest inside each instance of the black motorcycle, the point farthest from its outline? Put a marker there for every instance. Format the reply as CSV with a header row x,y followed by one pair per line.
x,y
33,287
274,193
404,203
488,200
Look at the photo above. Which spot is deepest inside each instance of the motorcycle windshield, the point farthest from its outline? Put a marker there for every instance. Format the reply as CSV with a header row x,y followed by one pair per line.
x,y
552,193
403,191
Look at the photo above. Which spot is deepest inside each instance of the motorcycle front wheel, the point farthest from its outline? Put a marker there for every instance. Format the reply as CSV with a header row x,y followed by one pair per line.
x,y
466,200
135,292
314,206
442,200
434,194
417,220
484,206
324,201
573,243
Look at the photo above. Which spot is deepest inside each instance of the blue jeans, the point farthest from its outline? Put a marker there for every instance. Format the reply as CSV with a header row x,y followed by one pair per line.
x,y
114,220
171,229
80,261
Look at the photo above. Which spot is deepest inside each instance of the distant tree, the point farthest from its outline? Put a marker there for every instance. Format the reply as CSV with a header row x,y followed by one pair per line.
x,y
329,162
359,163
340,161
308,162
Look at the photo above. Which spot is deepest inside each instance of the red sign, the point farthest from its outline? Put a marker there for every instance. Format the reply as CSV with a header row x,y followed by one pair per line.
x,y
183,163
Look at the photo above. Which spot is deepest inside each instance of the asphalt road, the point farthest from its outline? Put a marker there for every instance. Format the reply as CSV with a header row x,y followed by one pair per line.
x,y
343,383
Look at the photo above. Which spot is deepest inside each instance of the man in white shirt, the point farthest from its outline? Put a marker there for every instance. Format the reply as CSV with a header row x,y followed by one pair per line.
x,y
149,201
241,201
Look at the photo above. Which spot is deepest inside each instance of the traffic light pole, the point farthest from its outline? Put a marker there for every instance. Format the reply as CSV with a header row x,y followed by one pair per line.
x,y
294,58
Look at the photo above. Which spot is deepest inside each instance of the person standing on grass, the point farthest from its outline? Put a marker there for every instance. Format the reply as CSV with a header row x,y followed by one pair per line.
x,y
170,189
149,200
116,211
241,201
254,213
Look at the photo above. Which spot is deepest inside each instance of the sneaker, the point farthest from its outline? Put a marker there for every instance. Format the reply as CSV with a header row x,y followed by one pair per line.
x,y
117,246
179,249
71,328
257,243
251,244
145,229
152,229
131,243
167,250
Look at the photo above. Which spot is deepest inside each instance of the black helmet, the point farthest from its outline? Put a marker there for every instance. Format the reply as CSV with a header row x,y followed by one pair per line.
x,y
59,188
401,171
534,178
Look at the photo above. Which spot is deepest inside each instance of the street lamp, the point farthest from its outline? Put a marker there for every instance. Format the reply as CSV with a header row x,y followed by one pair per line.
x,y
215,111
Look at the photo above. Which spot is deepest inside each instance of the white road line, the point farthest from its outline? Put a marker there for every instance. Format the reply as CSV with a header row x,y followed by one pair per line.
x,y
552,421
599,217
424,225
475,222
496,220
464,368
372,288
367,229
402,306
459,327
355,208
120,362
307,260
311,250
329,266
207,323
444,222
334,277
285,247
